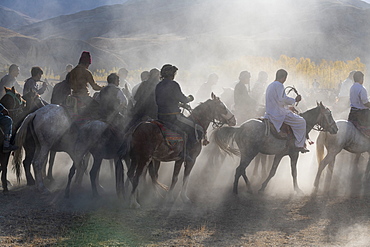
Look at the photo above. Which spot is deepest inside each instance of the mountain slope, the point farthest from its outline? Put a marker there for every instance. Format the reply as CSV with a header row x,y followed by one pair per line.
x,y
145,33
12,19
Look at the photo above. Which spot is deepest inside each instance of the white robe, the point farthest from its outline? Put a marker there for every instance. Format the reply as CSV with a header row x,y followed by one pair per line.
x,y
277,113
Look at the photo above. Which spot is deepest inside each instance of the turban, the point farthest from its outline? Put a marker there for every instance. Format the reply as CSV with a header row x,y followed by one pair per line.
x,y
85,58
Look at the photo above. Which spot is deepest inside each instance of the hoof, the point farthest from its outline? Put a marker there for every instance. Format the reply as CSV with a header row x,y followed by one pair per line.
x,y
299,192
44,191
134,205
186,200
31,183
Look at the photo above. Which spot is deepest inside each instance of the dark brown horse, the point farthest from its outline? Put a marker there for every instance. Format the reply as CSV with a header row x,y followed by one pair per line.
x,y
148,144
18,108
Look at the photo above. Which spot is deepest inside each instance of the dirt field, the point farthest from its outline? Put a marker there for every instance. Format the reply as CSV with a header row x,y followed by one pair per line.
x,y
215,218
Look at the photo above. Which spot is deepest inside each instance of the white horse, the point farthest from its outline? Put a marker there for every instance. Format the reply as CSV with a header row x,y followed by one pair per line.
x,y
349,138
50,127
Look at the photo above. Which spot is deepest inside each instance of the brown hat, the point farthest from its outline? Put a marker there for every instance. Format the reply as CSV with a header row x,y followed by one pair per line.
x,y
85,58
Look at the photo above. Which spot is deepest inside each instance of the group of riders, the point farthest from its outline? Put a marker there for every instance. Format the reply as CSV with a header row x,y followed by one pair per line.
x,y
159,96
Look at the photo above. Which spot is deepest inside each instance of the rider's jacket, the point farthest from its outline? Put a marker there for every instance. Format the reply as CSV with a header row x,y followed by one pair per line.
x,y
79,77
168,94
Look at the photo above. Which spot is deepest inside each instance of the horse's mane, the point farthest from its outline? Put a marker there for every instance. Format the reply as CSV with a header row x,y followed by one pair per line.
x,y
309,112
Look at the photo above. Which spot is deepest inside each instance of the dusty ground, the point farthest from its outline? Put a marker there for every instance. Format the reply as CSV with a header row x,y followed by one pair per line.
x,y
215,218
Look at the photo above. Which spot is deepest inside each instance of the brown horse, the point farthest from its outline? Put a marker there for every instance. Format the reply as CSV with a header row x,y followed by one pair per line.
x,y
148,144
18,108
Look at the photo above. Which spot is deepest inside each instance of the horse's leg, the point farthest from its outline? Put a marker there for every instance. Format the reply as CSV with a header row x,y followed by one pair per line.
x,y
4,172
112,164
82,163
257,161
94,172
245,160
120,179
41,156
51,164
70,176
293,164
138,164
175,177
275,165
153,169
366,179
355,180
329,159
128,165
329,175
188,167
264,162
30,152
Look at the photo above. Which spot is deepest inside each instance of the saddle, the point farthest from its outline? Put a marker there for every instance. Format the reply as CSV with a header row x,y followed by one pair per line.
x,y
79,111
361,121
286,132
171,133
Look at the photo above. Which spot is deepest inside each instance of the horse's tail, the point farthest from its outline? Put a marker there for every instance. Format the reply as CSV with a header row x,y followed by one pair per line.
x,y
19,141
320,146
225,136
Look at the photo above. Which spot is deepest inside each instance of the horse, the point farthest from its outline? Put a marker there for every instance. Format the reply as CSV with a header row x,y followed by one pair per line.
x,y
18,108
348,138
38,139
148,145
251,139
48,128
102,142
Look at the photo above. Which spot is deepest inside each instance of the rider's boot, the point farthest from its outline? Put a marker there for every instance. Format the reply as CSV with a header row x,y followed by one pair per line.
x,y
7,146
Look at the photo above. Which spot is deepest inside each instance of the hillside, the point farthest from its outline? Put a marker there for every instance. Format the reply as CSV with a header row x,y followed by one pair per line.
x,y
12,19
147,33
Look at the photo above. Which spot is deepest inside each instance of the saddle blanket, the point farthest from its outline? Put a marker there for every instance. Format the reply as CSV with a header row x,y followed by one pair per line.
x,y
172,137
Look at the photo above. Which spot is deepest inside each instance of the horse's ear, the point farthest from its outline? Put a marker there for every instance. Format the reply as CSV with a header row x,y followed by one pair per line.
x,y
13,89
317,103
321,104
213,96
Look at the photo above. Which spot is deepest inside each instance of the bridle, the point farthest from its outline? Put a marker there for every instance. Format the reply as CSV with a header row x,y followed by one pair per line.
x,y
18,110
319,126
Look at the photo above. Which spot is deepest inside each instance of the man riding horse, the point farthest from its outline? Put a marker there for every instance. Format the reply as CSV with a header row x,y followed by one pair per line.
x,y
276,112
79,77
360,113
6,124
112,101
168,95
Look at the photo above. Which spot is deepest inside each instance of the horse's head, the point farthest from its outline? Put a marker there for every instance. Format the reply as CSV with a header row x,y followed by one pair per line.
x,y
220,111
12,99
325,119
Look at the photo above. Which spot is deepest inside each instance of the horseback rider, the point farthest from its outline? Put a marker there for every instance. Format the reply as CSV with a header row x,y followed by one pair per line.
x,y
112,101
277,113
9,80
343,95
80,76
243,103
145,106
61,91
31,83
168,95
6,124
360,104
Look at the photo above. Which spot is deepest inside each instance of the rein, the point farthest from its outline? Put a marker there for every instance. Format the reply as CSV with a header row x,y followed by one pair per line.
x,y
318,125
